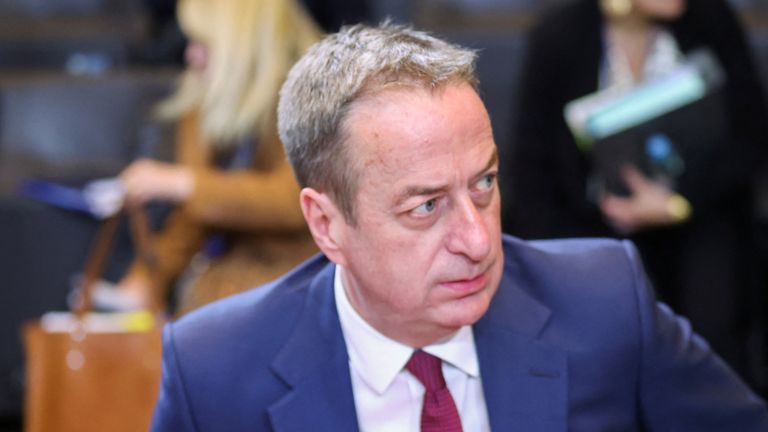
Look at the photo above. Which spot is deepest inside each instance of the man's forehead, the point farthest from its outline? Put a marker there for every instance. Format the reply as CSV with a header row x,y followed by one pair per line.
x,y
420,118
408,109
382,128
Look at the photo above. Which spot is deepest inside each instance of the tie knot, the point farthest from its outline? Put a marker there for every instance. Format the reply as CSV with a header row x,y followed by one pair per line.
x,y
427,369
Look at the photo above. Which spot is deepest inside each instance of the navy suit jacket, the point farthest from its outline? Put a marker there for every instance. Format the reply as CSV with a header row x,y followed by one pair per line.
x,y
573,340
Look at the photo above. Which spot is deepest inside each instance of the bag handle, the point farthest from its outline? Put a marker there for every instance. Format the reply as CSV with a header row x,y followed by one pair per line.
x,y
101,247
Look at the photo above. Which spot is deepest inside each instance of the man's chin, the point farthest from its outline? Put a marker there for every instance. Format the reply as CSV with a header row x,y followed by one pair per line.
x,y
468,310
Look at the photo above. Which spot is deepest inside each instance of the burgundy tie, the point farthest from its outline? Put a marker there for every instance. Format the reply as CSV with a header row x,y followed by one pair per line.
x,y
439,413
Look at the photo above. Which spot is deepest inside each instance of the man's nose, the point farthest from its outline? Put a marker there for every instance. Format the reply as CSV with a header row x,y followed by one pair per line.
x,y
468,232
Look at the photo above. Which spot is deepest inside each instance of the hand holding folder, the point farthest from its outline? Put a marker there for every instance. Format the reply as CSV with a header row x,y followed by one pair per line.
x,y
658,126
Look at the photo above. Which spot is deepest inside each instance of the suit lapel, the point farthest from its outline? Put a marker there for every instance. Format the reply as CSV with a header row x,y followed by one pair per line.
x,y
524,381
315,365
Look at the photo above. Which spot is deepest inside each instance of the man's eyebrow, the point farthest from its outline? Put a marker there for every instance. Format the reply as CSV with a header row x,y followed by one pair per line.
x,y
491,162
412,191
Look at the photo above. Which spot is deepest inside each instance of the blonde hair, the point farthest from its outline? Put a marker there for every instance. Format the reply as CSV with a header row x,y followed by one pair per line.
x,y
251,46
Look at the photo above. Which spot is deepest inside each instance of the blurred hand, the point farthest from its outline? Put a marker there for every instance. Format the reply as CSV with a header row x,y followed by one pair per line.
x,y
148,180
135,291
648,205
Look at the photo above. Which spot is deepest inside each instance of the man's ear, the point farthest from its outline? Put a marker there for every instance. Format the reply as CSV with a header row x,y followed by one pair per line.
x,y
326,223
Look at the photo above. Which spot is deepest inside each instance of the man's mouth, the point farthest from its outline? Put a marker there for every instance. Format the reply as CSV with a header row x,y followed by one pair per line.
x,y
468,285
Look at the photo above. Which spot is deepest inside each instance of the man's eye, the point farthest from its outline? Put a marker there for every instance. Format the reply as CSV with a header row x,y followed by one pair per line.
x,y
486,182
426,208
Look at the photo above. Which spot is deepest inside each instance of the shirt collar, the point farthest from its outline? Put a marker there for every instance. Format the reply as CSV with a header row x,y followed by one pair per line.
x,y
378,359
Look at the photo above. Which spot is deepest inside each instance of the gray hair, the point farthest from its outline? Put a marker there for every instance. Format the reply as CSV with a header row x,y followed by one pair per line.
x,y
341,69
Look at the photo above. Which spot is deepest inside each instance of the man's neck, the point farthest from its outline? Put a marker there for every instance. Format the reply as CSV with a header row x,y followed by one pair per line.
x,y
410,334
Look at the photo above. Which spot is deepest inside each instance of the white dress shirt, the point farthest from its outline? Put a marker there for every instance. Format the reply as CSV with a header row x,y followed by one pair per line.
x,y
388,397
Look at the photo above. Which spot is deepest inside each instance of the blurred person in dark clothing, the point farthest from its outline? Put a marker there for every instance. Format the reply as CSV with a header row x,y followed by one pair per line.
x,y
695,240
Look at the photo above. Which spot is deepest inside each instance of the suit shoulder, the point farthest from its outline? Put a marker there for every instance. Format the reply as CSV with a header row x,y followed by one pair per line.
x,y
591,286
567,248
589,268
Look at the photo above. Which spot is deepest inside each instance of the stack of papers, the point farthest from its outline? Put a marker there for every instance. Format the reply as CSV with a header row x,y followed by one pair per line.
x,y
98,322
611,111
661,126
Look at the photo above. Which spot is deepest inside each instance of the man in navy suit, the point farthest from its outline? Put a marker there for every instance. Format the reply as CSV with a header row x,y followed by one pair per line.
x,y
395,153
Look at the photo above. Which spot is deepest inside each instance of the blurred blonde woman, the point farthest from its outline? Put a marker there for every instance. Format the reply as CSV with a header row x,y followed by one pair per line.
x,y
237,222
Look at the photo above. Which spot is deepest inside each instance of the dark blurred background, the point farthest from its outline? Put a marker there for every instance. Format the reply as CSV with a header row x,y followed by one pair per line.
x,y
77,81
